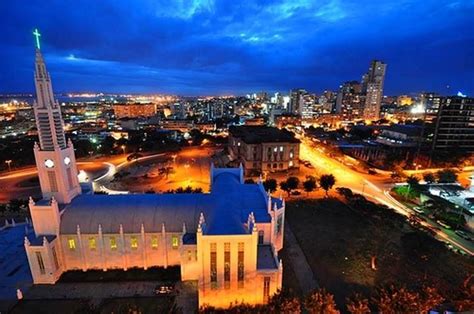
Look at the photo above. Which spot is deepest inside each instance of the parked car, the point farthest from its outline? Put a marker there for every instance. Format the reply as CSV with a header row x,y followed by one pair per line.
x,y
463,235
443,224
418,210
164,289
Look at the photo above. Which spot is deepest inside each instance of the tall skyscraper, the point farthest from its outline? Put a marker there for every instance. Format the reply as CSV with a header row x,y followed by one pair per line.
x,y
372,87
350,101
296,101
55,158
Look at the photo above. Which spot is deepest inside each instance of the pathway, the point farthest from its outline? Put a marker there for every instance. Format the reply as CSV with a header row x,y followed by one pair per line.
x,y
298,261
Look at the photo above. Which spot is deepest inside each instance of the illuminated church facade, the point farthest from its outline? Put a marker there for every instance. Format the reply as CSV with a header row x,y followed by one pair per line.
x,y
227,240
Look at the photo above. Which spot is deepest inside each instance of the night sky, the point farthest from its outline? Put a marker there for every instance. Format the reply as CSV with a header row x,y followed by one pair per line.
x,y
205,47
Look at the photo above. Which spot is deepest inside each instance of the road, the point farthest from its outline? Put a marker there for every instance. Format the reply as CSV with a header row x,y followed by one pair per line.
x,y
374,187
191,168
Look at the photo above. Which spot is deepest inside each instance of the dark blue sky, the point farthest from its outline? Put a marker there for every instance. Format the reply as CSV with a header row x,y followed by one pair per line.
x,y
220,47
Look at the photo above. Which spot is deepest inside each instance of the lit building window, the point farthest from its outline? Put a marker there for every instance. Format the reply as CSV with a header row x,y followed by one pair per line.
x,y
213,265
92,243
154,242
52,181
266,288
227,265
175,242
113,243
281,148
275,149
72,244
291,154
39,258
133,242
240,264
55,258
260,236
290,164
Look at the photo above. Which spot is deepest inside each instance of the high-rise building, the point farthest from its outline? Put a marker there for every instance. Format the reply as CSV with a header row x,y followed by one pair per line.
x,y
455,125
308,106
327,101
296,101
431,102
372,87
350,101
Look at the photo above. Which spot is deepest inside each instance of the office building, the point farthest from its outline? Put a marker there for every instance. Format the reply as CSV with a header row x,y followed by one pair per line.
x,y
455,125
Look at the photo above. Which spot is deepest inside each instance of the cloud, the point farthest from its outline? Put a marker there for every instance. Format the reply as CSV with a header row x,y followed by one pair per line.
x,y
238,46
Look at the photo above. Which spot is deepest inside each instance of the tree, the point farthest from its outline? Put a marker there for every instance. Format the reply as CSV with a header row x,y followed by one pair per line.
x,y
357,305
429,177
429,299
290,306
447,176
284,186
412,181
283,302
249,181
293,182
270,185
401,300
289,184
309,184
320,302
327,181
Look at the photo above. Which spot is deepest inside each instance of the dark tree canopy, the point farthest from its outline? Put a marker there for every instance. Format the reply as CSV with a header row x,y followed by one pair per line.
x,y
327,181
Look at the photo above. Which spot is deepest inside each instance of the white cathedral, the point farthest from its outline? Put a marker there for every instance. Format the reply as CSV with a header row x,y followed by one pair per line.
x,y
227,240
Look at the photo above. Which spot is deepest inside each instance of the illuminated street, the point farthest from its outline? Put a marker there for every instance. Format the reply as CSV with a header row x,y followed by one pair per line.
x,y
190,168
371,187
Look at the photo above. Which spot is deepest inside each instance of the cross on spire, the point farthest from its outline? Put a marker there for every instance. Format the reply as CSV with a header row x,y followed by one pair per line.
x,y
37,34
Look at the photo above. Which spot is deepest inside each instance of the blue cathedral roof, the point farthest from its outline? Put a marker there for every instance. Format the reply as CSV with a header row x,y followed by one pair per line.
x,y
226,209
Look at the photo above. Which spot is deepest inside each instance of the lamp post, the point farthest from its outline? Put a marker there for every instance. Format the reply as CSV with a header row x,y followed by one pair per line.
x,y
8,162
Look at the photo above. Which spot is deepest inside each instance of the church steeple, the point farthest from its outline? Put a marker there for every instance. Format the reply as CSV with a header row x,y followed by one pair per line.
x,y
55,158
47,110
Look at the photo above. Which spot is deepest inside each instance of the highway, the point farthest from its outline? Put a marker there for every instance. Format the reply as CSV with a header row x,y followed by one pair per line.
x,y
373,187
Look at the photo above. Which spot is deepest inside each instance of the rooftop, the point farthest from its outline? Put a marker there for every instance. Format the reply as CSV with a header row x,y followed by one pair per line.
x,y
226,209
408,129
262,134
265,258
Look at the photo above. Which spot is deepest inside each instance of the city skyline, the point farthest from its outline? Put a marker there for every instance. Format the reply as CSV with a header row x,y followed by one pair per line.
x,y
212,48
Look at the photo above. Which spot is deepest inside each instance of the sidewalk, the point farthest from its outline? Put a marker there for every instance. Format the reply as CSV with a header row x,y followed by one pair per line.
x,y
298,261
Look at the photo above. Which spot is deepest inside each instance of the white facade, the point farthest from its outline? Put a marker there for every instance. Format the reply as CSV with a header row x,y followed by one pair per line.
x,y
227,240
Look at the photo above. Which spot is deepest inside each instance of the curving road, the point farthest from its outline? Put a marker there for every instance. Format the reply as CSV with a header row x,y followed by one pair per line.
x,y
375,187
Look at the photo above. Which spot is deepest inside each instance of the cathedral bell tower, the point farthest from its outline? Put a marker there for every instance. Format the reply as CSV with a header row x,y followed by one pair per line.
x,y
54,156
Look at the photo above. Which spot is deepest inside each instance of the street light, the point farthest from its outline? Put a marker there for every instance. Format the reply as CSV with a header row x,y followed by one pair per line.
x,y
8,162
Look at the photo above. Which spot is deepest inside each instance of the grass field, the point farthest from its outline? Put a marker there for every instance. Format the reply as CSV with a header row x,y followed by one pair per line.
x,y
339,242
